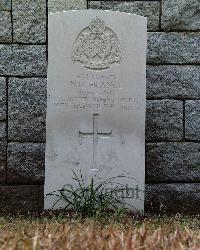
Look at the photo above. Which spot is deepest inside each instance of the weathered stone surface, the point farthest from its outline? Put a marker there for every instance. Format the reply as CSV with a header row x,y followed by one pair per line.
x,y
96,117
25,163
164,120
149,9
180,15
21,198
29,21
60,5
5,30
2,162
175,197
172,161
5,5
2,130
23,60
2,98
192,120
173,47
170,81
41,197
28,5
26,109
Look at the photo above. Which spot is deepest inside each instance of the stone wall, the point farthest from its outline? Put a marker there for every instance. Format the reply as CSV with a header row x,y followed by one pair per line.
x,y
173,100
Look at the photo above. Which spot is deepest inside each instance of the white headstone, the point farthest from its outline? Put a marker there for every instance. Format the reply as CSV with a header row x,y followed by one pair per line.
x,y
96,100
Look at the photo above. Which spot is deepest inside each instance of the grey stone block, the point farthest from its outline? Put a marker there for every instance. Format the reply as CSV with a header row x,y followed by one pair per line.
x,y
2,162
173,48
149,9
5,5
21,198
26,109
170,81
29,21
60,5
5,30
41,197
28,5
164,120
192,120
177,197
174,161
23,60
2,98
2,131
25,163
180,15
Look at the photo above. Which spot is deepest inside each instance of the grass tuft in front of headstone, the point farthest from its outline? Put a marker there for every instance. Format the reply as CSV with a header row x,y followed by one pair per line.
x,y
91,200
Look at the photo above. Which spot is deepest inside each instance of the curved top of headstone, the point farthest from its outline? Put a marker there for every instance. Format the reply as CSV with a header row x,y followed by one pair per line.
x,y
93,11
97,45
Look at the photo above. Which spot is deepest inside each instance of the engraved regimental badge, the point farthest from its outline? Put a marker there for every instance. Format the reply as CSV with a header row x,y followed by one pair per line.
x,y
97,46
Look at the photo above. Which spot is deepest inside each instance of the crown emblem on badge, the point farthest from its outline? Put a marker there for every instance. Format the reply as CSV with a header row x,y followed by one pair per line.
x,y
97,46
97,26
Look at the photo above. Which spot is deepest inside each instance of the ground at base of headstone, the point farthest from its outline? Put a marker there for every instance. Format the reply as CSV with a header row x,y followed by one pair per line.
x,y
92,199
62,231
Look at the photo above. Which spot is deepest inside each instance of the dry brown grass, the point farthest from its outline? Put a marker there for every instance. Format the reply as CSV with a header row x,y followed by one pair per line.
x,y
65,233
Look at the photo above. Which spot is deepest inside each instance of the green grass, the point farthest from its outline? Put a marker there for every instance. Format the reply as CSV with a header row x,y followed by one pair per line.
x,y
91,200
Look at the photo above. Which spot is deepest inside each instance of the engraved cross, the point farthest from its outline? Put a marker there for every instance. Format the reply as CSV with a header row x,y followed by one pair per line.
x,y
95,134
